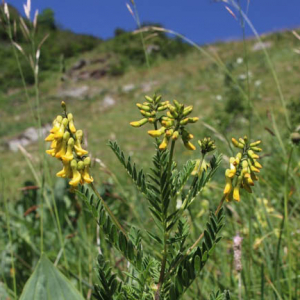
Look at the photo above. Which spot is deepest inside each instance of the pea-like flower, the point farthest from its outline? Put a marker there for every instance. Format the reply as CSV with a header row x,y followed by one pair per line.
x,y
149,110
243,169
173,123
66,145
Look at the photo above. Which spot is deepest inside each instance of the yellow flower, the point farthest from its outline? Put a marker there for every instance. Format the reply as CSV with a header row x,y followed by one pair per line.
x,y
63,148
71,123
188,145
236,193
157,133
85,173
198,170
164,143
56,124
54,144
76,174
51,152
69,154
66,172
77,146
60,132
228,185
49,138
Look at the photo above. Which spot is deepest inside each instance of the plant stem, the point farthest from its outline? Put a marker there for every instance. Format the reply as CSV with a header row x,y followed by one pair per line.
x,y
138,22
11,247
114,219
198,240
165,253
287,225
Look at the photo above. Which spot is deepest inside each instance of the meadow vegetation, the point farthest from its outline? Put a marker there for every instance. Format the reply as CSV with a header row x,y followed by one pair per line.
x,y
236,88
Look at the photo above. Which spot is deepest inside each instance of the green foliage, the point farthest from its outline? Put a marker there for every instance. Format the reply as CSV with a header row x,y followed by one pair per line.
x,y
127,49
47,19
186,267
161,187
48,283
60,42
219,296
294,110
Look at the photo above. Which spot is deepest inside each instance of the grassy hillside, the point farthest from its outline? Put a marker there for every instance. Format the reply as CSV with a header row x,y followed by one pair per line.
x,y
233,91
194,77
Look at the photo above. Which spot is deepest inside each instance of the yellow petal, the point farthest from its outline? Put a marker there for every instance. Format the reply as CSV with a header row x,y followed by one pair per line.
x,y
189,146
80,151
51,152
76,174
86,176
236,193
76,178
69,154
49,138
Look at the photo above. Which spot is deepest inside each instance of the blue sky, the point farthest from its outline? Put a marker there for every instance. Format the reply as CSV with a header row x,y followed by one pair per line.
x,y
203,21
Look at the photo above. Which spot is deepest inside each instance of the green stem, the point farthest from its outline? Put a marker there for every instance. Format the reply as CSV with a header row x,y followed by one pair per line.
x,y
141,33
11,247
197,241
250,104
287,225
114,219
166,236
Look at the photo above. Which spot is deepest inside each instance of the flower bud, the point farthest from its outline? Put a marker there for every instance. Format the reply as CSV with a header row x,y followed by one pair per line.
x,y
237,144
189,146
80,165
151,120
145,113
175,135
157,98
169,132
157,133
143,107
139,123
63,105
164,143
161,108
187,110
252,154
149,99
256,149
255,143
184,121
193,120
173,111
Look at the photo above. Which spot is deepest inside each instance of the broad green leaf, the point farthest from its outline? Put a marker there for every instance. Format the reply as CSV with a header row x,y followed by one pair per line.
x,y
48,283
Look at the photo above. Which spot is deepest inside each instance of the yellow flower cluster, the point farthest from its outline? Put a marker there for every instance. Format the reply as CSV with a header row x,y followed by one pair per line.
x,y
243,169
172,123
149,110
66,146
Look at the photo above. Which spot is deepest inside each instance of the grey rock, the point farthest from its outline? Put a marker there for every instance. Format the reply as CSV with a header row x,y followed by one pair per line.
x,y
152,48
80,64
128,88
29,136
261,46
14,144
75,92
147,86
108,101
